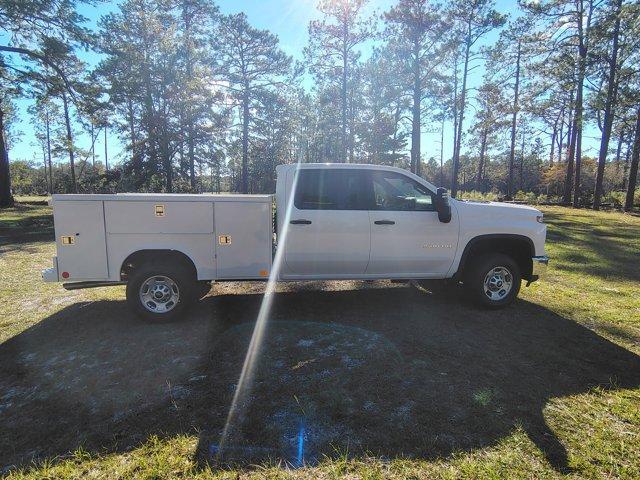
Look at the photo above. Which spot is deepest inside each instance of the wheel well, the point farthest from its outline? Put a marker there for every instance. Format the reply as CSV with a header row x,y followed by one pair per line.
x,y
518,247
142,257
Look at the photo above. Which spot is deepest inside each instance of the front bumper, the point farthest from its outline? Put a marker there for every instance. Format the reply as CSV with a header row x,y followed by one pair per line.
x,y
51,274
539,268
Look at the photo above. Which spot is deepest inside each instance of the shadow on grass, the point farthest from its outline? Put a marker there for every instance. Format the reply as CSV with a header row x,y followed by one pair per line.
x,y
383,370
602,250
21,225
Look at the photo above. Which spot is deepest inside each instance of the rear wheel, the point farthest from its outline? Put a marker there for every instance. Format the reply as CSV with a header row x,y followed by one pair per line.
x,y
493,281
161,292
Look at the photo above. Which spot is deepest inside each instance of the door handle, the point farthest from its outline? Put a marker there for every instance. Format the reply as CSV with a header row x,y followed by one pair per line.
x,y
384,222
300,222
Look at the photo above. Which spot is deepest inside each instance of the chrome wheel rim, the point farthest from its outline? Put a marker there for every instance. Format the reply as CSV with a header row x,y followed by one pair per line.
x,y
498,282
159,294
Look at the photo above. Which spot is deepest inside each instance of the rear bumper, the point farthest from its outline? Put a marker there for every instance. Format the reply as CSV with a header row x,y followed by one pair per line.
x,y
539,267
51,274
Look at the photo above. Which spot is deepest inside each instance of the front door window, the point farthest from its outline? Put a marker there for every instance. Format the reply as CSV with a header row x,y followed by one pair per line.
x,y
396,192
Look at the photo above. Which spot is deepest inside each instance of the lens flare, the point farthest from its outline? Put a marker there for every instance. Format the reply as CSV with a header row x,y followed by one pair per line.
x,y
248,368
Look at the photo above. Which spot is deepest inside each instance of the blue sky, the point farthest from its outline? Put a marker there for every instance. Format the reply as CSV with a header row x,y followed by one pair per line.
x,y
289,20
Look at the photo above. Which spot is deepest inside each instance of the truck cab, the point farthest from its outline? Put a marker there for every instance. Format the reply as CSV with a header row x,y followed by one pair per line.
x,y
362,222
372,222
333,222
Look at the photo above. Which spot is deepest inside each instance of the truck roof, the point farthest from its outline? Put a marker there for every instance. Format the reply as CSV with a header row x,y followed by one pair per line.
x,y
365,166
169,197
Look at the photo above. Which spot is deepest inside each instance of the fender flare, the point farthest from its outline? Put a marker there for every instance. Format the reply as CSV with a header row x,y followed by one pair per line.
x,y
150,251
487,237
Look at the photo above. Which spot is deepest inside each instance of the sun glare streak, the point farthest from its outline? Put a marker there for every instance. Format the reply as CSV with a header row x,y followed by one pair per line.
x,y
248,368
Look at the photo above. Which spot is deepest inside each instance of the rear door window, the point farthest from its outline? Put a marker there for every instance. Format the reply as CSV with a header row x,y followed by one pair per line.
x,y
332,189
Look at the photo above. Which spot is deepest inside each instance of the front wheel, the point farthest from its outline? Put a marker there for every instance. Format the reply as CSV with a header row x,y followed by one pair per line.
x,y
493,281
160,293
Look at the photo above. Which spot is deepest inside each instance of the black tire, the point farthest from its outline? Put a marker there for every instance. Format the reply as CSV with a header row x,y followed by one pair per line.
x,y
496,295
181,279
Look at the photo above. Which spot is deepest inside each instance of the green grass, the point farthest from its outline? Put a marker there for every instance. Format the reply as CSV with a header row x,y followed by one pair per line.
x,y
455,393
32,199
595,272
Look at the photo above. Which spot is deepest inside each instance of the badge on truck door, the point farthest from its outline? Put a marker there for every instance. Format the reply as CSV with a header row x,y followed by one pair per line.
x,y
224,239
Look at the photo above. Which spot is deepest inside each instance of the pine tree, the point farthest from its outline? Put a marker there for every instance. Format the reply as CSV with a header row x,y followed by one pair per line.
x,y
418,33
250,62
29,26
474,19
333,54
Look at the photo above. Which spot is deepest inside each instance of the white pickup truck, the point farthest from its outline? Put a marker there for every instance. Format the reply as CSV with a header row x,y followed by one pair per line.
x,y
334,222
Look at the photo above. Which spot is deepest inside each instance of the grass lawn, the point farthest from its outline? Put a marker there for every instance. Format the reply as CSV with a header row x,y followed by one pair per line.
x,y
356,380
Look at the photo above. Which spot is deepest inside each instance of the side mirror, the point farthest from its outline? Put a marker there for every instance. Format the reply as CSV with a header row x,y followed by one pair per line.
x,y
443,207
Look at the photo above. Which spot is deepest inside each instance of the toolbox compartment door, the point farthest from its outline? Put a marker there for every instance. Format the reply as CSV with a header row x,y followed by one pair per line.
x,y
243,240
80,240
161,216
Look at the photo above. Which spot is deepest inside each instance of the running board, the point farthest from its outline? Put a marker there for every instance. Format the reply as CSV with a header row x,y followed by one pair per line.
x,y
80,285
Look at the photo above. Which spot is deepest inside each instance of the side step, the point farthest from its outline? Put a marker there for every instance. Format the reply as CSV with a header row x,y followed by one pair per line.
x,y
80,285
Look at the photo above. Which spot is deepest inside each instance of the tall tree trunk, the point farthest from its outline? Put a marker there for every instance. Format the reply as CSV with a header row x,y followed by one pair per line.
x,y
351,128
6,196
560,137
483,146
625,170
583,35
578,138
67,121
455,105
345,76
396,121
608,109
463,93
48,125
165,150
244,184
415,110
187,18
553,145
218,176
571,142
136,161
514,118
132,129
182,166
619,150
106,151
93,147
633,170
522,162
44,162
149,112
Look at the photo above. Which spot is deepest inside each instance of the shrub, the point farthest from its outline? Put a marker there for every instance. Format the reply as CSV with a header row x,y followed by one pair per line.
x,y
520,196
474,195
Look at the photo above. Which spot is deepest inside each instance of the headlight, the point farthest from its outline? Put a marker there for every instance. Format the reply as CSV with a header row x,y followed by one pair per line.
x,y
540,218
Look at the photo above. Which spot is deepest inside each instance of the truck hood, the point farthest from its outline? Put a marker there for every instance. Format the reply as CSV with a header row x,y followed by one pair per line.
x,y
502,215
499,208
491,218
